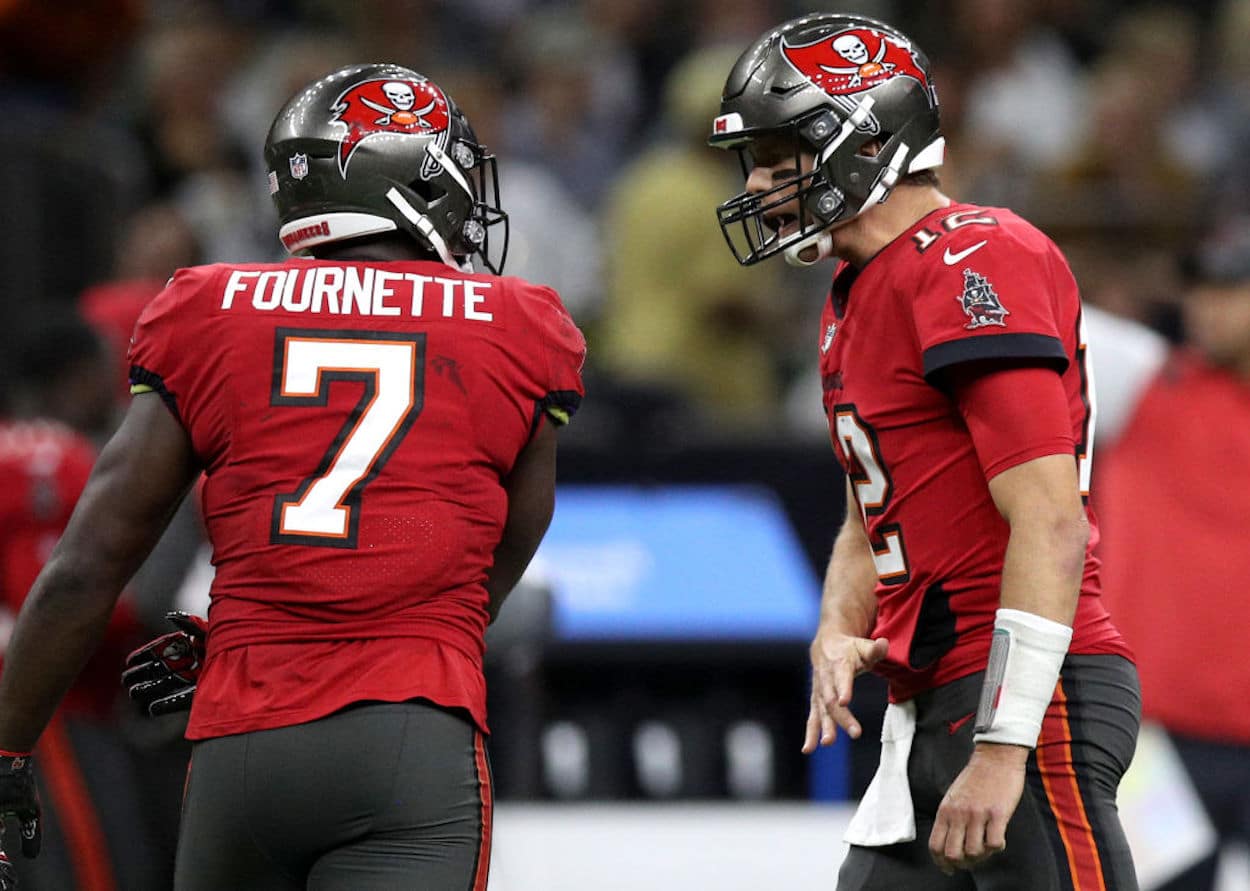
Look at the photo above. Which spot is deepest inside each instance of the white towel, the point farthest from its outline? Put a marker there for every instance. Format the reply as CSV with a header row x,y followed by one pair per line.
x,y
885,815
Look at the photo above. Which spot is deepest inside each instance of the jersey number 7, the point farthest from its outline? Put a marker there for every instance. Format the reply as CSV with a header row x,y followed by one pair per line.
x,y
325,509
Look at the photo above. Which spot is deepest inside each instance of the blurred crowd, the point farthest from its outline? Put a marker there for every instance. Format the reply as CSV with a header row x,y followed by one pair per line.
x,y
132,132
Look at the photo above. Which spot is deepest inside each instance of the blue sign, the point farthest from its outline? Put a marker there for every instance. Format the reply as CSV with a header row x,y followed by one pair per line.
x,y
685,563
676,563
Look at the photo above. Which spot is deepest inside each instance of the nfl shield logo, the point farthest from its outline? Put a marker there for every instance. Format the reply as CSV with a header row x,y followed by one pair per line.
x,y
299,166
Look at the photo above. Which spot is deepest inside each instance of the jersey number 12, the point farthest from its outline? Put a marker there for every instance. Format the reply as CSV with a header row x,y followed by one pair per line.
x,y
873,488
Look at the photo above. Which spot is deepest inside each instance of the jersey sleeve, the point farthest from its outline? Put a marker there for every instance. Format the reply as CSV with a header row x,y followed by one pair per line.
x,y
563,350
997,300
157,351
1014,415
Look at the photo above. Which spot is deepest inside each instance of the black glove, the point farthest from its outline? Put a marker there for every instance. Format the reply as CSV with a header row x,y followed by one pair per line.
x,y
161,675
19,798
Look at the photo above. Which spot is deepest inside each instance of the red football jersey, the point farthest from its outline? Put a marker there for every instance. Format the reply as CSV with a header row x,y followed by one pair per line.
x,y
965,283
355,422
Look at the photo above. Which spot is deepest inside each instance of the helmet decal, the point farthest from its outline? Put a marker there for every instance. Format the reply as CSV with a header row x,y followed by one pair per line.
x,y
381,105
854,59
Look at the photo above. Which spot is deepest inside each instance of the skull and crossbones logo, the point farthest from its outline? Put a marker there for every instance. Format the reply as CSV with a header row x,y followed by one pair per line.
x,y
408,106
402,99
852,48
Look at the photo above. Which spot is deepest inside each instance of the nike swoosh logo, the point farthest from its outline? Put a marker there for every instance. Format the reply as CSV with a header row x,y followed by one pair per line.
x,y
953,726
951,259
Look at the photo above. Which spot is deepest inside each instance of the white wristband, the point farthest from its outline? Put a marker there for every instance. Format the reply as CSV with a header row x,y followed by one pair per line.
x,y
1025,657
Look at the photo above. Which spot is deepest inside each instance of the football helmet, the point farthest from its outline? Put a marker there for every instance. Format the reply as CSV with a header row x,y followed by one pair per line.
x,y
824,85
379,148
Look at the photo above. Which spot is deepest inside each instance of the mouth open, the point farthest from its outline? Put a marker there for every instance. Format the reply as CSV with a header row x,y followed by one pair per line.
x,y
783,223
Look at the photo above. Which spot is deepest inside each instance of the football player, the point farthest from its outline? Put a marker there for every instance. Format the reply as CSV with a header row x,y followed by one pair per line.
x,y
959,402
1193,414
376,423
93,815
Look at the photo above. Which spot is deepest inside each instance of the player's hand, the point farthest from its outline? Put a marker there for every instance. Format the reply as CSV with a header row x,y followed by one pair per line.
x,y
971,824
18,798
837,659
162,674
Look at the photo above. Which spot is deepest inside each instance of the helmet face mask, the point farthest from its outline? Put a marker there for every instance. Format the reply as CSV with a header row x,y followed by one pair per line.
x,y
370,149
755,223
487,212
829,85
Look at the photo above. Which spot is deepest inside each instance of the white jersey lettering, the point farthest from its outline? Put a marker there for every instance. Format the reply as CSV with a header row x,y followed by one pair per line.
x,y
268,294
382,289
235,285
358,291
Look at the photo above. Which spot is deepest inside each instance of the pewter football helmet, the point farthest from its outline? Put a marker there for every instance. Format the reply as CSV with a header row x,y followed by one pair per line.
x,y
828,84
370,149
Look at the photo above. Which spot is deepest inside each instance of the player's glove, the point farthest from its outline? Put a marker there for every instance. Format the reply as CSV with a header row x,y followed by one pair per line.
x,y
162,674
18,798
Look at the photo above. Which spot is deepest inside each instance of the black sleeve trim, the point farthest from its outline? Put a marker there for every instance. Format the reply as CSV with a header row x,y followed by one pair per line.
x,y
559,405
141,377
995,346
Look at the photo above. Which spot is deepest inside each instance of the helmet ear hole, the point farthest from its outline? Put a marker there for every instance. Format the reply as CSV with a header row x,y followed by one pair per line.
x,y
872,147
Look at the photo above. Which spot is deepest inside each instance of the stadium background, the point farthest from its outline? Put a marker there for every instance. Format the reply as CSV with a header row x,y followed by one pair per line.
x,y
648,685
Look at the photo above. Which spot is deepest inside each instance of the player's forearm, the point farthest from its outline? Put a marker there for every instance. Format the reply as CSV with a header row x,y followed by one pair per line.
x,y
848,600
1044,564
1041,584
59,627
1045,560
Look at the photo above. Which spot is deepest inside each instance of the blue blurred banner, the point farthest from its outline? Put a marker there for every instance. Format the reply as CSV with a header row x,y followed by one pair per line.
x,y
681,563
676,563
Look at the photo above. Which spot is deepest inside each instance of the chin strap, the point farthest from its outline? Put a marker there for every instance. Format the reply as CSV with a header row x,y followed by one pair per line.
x,y
427,230
887,180
821,243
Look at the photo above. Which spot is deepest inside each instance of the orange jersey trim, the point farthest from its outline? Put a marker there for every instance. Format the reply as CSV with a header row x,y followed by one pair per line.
x,y
84,839
482,871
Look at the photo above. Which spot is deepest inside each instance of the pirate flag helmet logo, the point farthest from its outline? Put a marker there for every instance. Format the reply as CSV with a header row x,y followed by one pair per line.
x,y
854,59
381,106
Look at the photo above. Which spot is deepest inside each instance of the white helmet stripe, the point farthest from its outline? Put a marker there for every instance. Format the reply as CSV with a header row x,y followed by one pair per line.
x,y
929,157
887,180
849,126
450,166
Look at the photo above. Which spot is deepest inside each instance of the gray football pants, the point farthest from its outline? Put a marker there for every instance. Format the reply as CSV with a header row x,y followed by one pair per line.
x,y
377,796
1066,833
